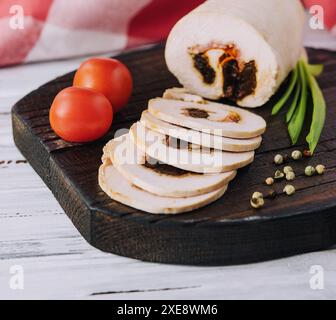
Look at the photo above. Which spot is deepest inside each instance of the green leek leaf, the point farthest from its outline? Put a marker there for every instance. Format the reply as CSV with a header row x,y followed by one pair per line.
x,y
302,82
314,69
296,124
288,92
319,111
294,103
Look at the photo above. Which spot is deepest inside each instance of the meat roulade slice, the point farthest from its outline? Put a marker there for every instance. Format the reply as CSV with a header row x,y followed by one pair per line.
x,y
158,178
210,117
201,138
120,189
186,156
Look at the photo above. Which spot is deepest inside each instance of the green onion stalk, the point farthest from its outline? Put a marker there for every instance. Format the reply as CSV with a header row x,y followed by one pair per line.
x,y
302,83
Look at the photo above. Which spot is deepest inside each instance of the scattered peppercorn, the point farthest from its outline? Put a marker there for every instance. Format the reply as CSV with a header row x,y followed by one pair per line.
x,y
290,176
297,155
289,190
278,159
279,175
286,158
307,154
269,181
309,171
288,169
320,169
257,200
272,194
257,195
257,203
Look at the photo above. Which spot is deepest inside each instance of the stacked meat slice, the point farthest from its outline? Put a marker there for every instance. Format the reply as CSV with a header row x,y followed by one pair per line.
x,y
181,155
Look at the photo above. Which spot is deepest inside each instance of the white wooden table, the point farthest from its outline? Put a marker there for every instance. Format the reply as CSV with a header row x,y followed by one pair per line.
x,y
57,263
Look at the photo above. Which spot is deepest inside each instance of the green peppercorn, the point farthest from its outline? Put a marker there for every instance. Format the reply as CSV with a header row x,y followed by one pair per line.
x,y
290,176
257,195
289,190
297,155
320,169
278,175
257,200
269,181
278,159
257,203
309,171
288,169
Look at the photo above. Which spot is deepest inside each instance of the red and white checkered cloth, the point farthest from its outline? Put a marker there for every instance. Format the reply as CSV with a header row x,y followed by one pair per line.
x,y
55,29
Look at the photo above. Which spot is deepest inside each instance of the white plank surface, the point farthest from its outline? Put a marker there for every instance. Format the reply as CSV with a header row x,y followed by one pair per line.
x,y
59,264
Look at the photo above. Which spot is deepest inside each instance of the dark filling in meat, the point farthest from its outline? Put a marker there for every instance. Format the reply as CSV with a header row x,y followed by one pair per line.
x,y
239,84
184,145
230,74
201,63
165,169
177,143
239,81
203,114
196,113
247,81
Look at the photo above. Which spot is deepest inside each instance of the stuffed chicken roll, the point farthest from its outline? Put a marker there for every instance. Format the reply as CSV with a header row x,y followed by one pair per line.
x,y
237,49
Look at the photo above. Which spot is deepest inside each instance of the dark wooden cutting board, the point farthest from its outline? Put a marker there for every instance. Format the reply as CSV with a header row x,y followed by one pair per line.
x,y
226,232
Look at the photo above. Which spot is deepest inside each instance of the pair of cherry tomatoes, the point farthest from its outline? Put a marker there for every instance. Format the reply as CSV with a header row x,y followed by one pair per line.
x,y
84,112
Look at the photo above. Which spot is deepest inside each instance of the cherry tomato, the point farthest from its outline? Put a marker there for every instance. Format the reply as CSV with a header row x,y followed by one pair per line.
x,y
107,76
80,114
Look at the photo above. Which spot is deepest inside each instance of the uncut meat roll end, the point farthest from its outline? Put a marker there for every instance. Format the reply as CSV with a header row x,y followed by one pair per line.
x,y
237,49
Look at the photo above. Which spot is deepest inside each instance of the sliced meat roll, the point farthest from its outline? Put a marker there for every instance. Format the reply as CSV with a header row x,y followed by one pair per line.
x,y
187,156
238,49
161,179
200,138
182,94
210,117
120,189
